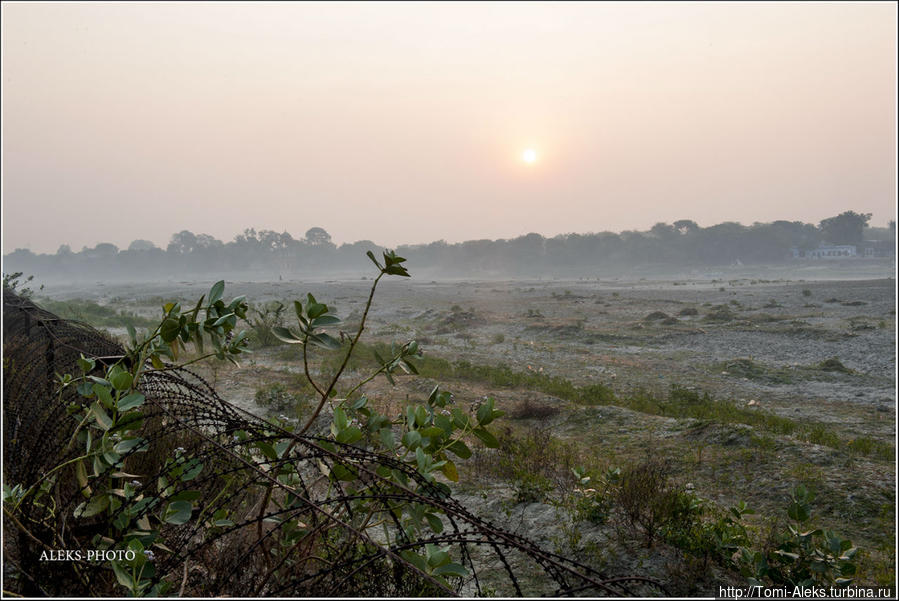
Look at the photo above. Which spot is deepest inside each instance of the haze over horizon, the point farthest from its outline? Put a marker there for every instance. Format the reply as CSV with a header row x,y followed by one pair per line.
x,y
409,123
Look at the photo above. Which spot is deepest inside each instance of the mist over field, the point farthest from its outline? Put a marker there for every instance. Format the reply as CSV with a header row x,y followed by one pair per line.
x,y
683,247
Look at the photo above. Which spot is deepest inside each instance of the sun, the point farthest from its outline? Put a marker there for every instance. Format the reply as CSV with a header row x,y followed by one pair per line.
x,y
529,156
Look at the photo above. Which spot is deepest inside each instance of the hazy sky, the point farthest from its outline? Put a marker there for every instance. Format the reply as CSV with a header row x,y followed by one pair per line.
x,y
407,122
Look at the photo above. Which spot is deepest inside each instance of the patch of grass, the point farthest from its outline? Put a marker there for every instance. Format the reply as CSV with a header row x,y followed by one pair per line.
x,y
747,368
868,446
679,403
833,364
720,313
277,398
822,435
536,461
96,314
655,316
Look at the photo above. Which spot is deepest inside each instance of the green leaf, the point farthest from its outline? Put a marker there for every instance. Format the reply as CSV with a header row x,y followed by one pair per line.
x,y
267,449
215,293
421,415
349,435
191,470
485,413
438,558
415,559
133,420
123,576
314,309
104,395
178,512
325,341
461,419
86,365
81,476
103,420
449,470
341,472
371,256
285,335
281,447
340,419
444,423
186,495
434,522
460,449
227,318
130,443
411,439
452,569
432,432
169,329
95,506
397,270
324,320
487,438
386,436
135,399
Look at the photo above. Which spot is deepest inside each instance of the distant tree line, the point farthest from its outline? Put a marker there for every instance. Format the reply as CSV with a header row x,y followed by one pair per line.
x,y
269,254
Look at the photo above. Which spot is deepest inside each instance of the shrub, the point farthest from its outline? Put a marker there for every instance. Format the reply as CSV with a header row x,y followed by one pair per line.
x,y
833,364
276,398
802,557
646,501
263,319
531,410
655,316
536,462
720,313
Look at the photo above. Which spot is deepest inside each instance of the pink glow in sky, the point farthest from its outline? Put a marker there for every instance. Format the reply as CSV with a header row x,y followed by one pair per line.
x,y
407,122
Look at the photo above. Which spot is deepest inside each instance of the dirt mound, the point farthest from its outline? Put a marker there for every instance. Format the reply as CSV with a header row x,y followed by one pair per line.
x,y
656,316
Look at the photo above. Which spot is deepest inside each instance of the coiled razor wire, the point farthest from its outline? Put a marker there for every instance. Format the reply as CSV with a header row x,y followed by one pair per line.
x,y
255,549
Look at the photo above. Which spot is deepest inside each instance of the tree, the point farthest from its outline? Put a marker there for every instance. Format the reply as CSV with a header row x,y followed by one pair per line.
x,y
685,226
141,245
105,250
182,243
845,228
663,231
64,250
317,236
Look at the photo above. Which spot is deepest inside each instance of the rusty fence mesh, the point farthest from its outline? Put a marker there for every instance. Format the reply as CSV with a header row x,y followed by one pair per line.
x,y
263,524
